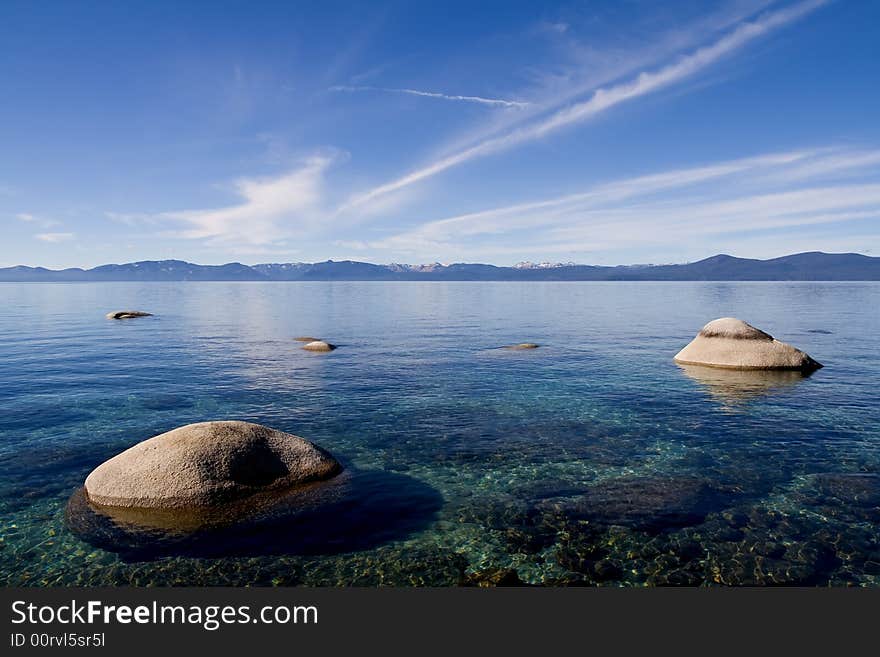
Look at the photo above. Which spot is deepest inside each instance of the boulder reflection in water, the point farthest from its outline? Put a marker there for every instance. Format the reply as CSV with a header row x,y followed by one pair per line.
x,y
733,387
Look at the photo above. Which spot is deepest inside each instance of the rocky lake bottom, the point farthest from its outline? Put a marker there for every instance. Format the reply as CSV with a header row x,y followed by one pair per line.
x,y
591,460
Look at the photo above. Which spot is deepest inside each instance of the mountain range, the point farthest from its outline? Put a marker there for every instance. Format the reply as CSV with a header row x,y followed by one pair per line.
x,y
813,266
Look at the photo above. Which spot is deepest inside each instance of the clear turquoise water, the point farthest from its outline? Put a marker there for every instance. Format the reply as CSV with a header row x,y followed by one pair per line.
x,y
592,460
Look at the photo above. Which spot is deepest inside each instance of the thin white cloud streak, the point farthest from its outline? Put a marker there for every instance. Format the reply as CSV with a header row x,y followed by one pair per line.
x,y
803,207
583,67
28,218
674,207
271,209
604,98
541,213
831,165
130,218
55,238
495,102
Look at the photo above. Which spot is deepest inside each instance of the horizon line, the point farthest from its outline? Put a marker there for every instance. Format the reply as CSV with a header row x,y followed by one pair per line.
x,y
534,263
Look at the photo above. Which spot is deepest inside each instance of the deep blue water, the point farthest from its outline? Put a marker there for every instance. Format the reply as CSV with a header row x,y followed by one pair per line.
x,y
593,459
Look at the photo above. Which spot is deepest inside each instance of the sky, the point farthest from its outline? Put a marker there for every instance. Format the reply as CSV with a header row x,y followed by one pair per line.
x,y
619,132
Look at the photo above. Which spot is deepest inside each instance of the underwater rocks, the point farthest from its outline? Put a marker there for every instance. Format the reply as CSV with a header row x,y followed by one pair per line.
x,y
644,503
733,344
128,314
522,345
853,496
853,488
304,338
207,464
319,345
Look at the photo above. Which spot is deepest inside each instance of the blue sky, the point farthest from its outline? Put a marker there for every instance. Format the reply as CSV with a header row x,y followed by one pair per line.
x,y
596,132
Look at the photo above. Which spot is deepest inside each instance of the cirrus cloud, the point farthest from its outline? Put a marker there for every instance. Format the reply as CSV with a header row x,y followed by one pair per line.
x,y
602,99
710,205
55,238
480,100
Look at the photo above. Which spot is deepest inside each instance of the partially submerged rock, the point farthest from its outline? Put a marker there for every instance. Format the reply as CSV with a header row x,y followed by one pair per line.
x,y
303,338
523,345
128,314
731,343
205,465
319,345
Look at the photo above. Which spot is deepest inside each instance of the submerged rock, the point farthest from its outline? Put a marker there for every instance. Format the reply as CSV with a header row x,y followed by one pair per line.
x,y
644,503
854,496
207,464
319,345
860,488
128,314
303,338
731,343
523,345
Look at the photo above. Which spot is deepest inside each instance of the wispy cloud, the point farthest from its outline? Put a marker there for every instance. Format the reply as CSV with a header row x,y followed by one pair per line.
x,y
495,102
55,238
832,164
603,98
558,27
43,222
662,223
131,218
271,209
772,192
581,64
547,211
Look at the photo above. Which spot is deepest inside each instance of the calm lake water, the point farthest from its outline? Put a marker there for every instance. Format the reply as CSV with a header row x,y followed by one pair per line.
x,y
593,459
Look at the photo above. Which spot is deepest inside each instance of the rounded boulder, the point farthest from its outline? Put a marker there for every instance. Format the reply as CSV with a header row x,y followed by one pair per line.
x,y
205,465
319,345
733,344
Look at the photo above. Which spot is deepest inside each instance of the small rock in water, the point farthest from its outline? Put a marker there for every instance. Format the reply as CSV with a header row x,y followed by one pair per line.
x,y
319,345
303,338
523,345
128,314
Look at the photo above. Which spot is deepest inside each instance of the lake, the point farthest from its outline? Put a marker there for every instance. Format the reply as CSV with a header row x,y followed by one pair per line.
x,y
591,460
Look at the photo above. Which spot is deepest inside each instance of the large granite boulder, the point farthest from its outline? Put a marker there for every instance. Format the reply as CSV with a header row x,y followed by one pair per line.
x,y
205,465
731,343
128,314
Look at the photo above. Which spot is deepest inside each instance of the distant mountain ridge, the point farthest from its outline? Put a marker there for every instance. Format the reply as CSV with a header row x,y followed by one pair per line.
x,y
813,266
